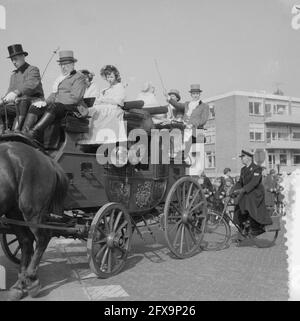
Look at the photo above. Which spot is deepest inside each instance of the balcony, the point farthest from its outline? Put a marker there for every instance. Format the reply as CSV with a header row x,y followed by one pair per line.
x,y
282,119
283,144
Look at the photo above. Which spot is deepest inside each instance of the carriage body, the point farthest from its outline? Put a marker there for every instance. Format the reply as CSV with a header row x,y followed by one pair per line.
x,y
138,188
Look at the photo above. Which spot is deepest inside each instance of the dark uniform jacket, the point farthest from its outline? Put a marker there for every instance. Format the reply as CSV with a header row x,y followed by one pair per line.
x,y
199,115
26,82
253,200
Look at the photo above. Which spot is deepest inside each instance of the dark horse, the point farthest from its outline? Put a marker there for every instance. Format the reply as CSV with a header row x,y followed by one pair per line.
x,y
32,186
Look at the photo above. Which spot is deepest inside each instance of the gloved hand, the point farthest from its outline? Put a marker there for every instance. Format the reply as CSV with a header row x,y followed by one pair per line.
x,y
238,192
39,104
10,97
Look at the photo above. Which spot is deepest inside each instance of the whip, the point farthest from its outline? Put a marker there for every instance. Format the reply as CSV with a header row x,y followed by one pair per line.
x,y
53,54
159,75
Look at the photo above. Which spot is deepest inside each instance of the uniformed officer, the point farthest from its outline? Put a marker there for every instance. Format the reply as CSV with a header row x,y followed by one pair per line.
x,y
25,87
251,196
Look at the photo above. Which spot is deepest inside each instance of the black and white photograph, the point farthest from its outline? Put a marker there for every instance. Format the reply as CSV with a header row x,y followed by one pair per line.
x,y
149,152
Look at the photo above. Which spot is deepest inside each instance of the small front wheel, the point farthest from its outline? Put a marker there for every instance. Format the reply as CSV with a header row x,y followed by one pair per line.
x,y
109,240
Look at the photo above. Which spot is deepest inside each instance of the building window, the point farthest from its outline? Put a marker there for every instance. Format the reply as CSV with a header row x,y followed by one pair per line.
x,y
279,109
210,160
296,157
256,132
296,135
280,133
282,159
271,159
255,108
212,113
210,135
268,109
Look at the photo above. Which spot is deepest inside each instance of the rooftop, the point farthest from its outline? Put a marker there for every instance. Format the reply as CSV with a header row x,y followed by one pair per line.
x,y
253,95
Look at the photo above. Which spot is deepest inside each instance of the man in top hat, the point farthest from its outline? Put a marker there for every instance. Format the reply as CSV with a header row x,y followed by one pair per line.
x,y
251,196
25,87
67,96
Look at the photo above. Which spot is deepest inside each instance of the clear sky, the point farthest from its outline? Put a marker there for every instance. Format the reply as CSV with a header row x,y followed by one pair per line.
x,y
224,45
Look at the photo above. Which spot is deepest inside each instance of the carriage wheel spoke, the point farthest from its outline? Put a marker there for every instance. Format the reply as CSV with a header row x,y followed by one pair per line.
x,y
179,198
186,240
99,228
100,252
118,220
12,241
101,241
182,238
191,234
174,227
193,200
177,234
183,196
17,250
111,220
197,206
189,194
109,261
176,209
121,226
106,224
104,258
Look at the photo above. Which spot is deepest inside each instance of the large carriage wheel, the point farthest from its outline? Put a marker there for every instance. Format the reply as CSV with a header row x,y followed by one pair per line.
x,y
217,232
11,247
109,240
184,217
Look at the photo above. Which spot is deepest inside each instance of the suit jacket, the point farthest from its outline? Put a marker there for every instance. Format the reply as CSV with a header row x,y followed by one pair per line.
x,y
198,117
26,82
253,200
70,91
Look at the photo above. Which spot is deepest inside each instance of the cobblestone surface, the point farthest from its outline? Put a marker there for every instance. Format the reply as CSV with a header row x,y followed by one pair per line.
x,y
151,273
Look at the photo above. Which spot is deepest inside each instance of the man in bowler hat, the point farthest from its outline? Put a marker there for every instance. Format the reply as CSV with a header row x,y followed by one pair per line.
x,y
66,97
251,197
24,88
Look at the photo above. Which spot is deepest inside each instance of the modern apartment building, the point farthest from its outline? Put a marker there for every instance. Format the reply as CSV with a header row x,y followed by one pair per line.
x,y
254,121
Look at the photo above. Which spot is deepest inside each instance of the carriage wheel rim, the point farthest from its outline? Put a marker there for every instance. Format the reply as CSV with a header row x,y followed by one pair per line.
x,y
186,225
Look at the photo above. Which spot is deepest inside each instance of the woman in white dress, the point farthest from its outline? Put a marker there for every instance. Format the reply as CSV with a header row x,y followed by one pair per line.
x,y
106,123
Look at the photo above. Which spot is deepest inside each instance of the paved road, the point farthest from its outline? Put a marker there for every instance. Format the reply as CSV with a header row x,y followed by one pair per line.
x,y
151,273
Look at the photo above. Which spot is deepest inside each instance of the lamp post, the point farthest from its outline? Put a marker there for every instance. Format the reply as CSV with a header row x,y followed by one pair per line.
x,y
278,168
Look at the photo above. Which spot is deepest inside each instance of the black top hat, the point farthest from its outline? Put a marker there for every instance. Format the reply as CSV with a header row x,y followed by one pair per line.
x,y
15,50
244,152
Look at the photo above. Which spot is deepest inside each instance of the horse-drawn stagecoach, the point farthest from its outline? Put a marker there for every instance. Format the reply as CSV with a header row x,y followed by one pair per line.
x,y
107,203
